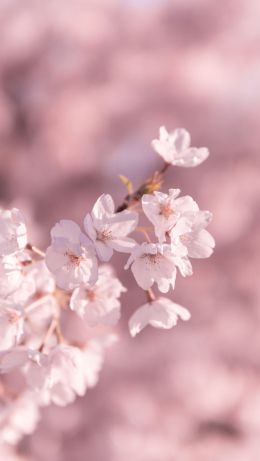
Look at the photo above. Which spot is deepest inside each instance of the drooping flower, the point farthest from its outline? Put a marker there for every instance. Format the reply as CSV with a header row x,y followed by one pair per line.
x,y
58,376
99,304
175,148
163,210
71,256
156,263
109,230
160,313
13,232
190,233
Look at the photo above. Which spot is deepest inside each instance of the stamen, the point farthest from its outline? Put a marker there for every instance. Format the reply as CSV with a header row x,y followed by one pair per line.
x,y
104,235
165,210
74,259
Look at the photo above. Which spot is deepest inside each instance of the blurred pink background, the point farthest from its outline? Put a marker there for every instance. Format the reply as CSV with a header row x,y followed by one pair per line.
x,y
84,87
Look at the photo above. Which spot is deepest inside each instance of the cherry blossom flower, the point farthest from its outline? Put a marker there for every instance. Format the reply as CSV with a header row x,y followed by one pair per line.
x,y
99,304
190,233
160,313
58,376
175,148
163,210
109,230
11,324
71,256
13,233
156,263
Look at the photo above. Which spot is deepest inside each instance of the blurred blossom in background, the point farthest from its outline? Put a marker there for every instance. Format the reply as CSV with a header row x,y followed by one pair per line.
x,y
84,87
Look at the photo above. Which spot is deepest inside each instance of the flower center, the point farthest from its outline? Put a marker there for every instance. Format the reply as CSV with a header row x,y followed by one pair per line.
x,y
152,258
184,238
73,259
104,235
165,210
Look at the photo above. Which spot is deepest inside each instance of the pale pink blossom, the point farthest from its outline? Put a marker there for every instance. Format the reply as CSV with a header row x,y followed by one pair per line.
x,y
156,263
57,377
160,313
109,230
175,148
99,304
71,256
11,324
13,233
190,233
164,210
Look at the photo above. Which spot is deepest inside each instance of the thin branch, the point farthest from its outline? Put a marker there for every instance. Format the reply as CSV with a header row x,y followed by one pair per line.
x,y
35,250
37,303
150,295
150,185
49,333
144,231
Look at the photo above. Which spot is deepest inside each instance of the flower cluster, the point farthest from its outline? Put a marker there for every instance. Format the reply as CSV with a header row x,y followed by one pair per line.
x,y
37,289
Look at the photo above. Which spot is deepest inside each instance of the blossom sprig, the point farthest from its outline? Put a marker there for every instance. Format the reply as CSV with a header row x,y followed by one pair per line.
x,y
39,290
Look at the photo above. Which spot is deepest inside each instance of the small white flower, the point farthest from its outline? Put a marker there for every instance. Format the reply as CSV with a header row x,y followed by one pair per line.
x,y
160,313
163,210
99,304
11,324
13,233
156,263
59,376
190,233
109,230
175,148
71,256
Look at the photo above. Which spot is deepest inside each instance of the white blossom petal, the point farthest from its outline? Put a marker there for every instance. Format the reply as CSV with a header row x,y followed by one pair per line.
x,y
109,230
160,313
71,257
153,263
175,148
99,304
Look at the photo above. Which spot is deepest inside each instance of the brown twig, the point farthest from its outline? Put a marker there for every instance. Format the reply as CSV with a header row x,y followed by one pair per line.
x,y
150,295
150,185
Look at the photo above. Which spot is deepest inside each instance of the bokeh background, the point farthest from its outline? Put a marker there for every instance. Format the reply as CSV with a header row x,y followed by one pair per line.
x,y
84,86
